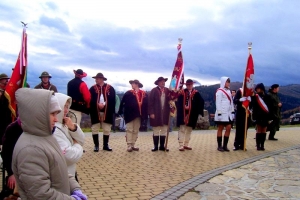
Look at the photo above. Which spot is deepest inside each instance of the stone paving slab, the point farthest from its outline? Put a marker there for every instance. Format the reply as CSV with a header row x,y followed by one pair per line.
x,y
145,174
275,177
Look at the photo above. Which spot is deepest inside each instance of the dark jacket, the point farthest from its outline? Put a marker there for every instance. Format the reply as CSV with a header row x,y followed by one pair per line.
x,y
78,102
155,107
10,138
5,115
110,101
259,115
131,108
51,87
240,117
195,109
276,112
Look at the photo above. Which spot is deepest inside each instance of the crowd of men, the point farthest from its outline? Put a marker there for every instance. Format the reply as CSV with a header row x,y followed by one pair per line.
x,y
99,101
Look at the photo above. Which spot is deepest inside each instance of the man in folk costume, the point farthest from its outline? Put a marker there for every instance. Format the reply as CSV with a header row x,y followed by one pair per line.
x,y
261,105
189,105
159,111
45,82
81,97
240,115
102,108
134,105
276,109
224,112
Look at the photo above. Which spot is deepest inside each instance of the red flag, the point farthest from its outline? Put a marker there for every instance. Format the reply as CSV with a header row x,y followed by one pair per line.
x,y
177,79
248,84
19,75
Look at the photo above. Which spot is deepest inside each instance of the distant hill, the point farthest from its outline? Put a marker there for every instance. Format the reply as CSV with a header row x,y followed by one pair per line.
x,y
289,96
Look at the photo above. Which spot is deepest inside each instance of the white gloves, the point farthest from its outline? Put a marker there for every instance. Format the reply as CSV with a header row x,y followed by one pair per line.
x,y
245,98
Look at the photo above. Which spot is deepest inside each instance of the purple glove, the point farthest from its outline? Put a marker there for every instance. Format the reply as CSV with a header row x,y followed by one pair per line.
x,y
76,197
79,194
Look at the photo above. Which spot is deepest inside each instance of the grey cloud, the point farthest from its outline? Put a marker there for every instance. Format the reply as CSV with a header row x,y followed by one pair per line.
x,y
52,5
56,23
211,48
94,44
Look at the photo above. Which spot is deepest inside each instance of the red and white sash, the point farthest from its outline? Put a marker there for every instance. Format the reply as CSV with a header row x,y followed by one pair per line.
x,y
262,104
229,98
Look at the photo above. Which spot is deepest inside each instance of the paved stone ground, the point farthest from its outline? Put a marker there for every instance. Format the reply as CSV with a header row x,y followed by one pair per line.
x,y
145,174
275,177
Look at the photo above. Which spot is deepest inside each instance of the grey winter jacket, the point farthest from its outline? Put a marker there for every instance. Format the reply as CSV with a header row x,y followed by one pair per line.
x,y
38,164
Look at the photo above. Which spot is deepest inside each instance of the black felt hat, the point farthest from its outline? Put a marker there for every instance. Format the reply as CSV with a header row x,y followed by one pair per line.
x,y
136,82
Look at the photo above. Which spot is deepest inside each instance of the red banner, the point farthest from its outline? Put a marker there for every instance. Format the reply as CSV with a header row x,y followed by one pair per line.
x,y
177,79
248,84
19,75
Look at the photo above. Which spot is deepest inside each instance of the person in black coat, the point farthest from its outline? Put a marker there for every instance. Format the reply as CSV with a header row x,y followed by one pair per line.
x,y
102,108
189,105
159,112
6,114
240,116
9,140
134,106
261,105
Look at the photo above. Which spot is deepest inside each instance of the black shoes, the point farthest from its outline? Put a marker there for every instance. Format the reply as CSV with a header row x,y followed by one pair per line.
x,y
154,149
96,149
105,143
226,149
274,139
220,149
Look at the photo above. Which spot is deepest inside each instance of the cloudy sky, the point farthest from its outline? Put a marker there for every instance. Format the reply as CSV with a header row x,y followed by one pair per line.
x,y
137,39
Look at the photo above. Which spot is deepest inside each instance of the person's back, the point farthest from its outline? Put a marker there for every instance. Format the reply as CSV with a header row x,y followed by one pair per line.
x,y
73,91
38,164
79,92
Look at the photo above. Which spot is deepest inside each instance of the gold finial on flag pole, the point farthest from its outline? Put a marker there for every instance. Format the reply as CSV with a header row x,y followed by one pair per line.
x,y
249,47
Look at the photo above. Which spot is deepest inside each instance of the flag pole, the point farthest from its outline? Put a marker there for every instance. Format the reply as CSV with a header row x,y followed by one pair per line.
x,y
246,109
177,85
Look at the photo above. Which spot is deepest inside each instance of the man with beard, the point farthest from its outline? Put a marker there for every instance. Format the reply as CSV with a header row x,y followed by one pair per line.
x,y
134,105
45,82
159,111
102,108
190,105
276,109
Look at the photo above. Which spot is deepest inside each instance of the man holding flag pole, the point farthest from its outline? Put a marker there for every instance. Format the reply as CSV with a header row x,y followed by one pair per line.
x,y
243,113
160,106
176,84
